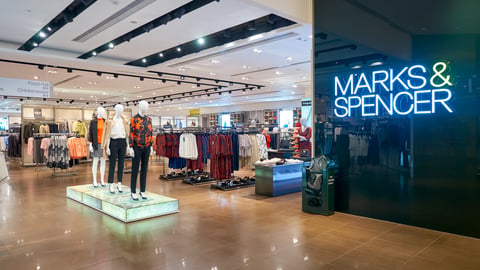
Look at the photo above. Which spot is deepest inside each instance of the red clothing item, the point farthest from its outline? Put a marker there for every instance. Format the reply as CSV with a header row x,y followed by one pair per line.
x,y
307,133
100,126
269,140
141,131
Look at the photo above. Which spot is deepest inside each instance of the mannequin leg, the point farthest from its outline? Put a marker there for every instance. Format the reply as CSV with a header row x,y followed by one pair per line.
x,y
102,171
135,166
121,163
94,171
143,171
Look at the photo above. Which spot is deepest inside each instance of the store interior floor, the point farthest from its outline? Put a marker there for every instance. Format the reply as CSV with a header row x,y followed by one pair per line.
x,y
41,229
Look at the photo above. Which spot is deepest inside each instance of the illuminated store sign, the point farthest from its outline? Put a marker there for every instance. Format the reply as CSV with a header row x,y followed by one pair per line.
x,y
410,90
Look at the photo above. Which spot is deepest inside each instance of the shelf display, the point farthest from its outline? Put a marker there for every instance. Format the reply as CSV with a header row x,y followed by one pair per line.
x,y
270,117
213,120
237,118
297,115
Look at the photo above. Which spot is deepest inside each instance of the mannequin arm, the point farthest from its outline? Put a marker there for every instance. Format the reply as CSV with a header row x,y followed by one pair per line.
x,y
90,147
107,147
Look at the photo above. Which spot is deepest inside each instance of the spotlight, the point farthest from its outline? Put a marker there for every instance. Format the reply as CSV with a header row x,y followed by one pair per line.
x,y
198,79
44,99
183,94
251,26
21,99
111,46
69,70
179,13
41,67
208,95
198,85
231,84
160,54
58,101
179,82
215,89
258,87
251,88
230,91
206,90
179,49
164,81
35,44
99,73
154,98
142,79
217,81
159,74
191,93
94,53
5,97
144,60
88,103
182,77
219,93
61,99
154,102
246,85
115,75
201,41
244,90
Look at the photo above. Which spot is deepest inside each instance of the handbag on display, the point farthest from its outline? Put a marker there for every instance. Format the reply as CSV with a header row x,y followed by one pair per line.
x,y
305,153
284,144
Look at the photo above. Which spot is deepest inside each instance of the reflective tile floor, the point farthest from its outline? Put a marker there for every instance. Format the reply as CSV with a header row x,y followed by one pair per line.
x,y
41,229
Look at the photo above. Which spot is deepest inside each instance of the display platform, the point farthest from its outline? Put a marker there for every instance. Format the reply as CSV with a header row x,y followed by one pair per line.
x,y
120,205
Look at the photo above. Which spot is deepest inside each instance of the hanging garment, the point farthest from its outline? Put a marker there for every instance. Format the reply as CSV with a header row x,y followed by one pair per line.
x,y
80,128
307,133
235,153
77,148
45,144
30,129
58,152
255,151
198,163
220,148
262,146
188,146
44,128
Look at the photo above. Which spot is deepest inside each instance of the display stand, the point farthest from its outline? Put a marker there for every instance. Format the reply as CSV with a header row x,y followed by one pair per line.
x,y
278,180
199,179
120,205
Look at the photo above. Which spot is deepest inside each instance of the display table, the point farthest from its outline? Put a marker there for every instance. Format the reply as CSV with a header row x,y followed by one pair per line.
x,y
278,180
120,205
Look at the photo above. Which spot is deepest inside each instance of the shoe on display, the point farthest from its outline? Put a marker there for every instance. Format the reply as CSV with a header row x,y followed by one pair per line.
x,y
103,184
142,194
134,196
112,188
119,187
95,185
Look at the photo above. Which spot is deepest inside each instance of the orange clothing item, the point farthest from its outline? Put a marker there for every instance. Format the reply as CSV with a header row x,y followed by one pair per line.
x,y
100,126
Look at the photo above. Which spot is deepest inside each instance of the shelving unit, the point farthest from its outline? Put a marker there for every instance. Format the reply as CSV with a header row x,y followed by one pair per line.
x,y
270,117
237,117
213,120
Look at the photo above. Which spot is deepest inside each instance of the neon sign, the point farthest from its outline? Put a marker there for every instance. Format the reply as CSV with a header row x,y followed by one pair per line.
x,y
411,90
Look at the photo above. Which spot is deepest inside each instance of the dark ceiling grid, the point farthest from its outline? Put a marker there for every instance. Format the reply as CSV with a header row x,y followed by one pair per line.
x,y
348,61
66,16
147,27
245,30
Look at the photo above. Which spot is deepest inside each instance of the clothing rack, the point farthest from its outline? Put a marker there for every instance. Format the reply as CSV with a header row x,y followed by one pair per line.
x,y
64,172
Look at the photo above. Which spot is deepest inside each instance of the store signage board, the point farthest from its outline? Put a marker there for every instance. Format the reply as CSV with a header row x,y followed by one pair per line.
x,y
25,88
395,92
194,112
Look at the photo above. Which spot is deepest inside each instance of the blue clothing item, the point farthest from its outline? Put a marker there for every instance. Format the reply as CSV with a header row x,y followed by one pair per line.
x,y
236,153
205,153
177,163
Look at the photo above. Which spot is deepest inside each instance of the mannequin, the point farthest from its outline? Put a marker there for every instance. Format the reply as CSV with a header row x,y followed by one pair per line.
x,y
141,140
304,135
115,146
96,137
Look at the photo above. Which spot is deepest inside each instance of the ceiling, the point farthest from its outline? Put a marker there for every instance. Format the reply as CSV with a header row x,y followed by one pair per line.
x,y
280,60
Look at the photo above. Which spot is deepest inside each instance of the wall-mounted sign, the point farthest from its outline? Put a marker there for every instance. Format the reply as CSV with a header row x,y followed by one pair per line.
x,y
194,112
25,88
3,123
406,91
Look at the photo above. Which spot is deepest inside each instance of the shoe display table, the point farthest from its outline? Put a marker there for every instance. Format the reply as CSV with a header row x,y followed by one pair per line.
x,y
120,205
276,180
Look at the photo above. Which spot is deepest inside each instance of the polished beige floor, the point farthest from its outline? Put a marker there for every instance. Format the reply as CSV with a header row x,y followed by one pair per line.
x,y
41,229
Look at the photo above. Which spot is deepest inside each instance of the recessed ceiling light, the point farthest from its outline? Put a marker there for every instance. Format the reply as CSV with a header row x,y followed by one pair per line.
x,y
255,37
201,41
356,67
230,44
179,49
144,60
244,78
257,50
213,73
139,96
304,77
91,96
289,58
36,77
136,87
378,63
49,28
94,53
160,54
104,93
181,69
35,44
293,93
110,45
214,61
53,71
294,86
278,73
209,101
42,34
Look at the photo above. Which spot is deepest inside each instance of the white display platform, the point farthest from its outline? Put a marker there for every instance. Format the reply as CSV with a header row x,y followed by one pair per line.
x,y
120,205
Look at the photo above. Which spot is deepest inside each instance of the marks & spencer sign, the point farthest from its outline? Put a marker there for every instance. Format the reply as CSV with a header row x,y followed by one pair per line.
x,y
396,92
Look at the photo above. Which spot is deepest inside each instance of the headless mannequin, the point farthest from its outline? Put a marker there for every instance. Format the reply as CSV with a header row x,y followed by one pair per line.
x,y
100,114
304,135
142,148
303,121
119,135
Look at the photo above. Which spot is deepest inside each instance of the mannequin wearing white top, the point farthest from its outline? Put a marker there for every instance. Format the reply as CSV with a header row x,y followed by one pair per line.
x,y
95,146
115,145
